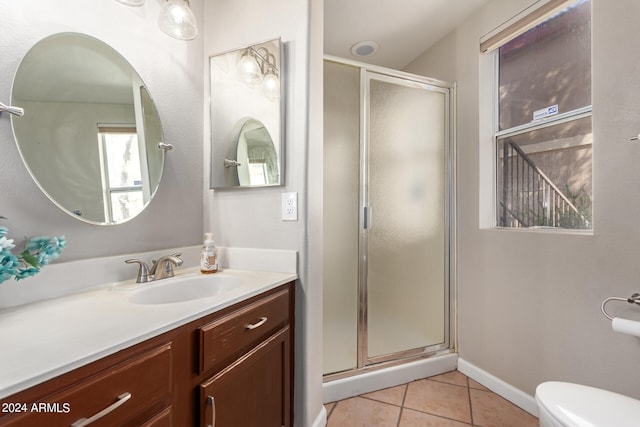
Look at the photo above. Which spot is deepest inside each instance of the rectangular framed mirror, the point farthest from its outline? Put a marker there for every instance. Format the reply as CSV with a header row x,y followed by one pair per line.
x,y
247,116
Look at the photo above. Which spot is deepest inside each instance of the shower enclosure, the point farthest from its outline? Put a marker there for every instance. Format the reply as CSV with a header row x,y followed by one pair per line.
x,y
388,193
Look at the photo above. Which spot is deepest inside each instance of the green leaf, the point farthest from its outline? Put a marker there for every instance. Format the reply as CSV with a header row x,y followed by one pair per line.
x,y
30,259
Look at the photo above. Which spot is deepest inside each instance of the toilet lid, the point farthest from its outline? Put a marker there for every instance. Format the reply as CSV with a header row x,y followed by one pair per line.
x,y
575,405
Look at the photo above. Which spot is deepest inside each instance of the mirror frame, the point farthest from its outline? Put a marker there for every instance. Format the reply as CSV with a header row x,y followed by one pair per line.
x,y
225,131
72,42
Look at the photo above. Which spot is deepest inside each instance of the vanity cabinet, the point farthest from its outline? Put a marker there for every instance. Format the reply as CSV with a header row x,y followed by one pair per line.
x,y
249,353
231,368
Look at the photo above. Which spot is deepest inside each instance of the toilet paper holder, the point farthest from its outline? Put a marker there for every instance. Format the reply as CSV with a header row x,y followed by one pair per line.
x,y
633,299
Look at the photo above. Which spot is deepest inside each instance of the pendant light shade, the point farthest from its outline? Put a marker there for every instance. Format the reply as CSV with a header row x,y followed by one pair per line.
x,y
271,86
249,69
177,20
131,2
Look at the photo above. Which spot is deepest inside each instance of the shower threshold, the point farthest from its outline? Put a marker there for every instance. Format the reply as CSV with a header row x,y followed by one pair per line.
x,y
383,375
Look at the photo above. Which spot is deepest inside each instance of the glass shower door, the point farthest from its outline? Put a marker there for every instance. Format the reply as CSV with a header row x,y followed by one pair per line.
x,y
404,238
340,213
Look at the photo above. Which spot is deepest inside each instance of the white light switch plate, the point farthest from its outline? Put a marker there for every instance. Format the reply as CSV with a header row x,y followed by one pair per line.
x,y
290,206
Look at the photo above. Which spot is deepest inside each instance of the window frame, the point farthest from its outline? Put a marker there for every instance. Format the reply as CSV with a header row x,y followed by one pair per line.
x,y
496,133
107,189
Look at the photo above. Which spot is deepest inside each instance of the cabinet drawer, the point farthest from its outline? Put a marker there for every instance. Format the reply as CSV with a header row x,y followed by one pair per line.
x,y
227,338
124,394
163,419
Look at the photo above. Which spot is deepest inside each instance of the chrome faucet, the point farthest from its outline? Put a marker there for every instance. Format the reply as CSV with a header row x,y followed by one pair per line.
x,y
161,269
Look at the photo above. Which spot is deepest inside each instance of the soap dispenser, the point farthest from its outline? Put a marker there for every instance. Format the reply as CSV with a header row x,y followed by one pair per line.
x,y
208,255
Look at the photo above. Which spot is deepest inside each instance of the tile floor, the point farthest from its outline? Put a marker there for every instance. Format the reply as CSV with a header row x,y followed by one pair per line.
x,y
448,400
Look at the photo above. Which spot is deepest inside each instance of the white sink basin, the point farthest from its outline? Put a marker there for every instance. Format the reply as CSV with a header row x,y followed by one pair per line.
x,y
168,291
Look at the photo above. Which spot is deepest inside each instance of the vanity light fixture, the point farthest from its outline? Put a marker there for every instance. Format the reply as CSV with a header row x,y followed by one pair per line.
x,y
259,65
250,70
177,20
271,85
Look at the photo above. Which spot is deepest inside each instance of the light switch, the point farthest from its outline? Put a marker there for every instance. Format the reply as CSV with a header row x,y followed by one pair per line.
x,y
290,206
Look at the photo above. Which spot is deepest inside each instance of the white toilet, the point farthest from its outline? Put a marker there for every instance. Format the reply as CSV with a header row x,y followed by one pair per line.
x,y
573,405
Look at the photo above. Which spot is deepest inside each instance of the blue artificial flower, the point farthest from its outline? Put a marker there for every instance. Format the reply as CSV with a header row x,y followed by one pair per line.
x,y
61,242
49,250
6,243
5,274
37,244
8,265
38,251
23,273
43,258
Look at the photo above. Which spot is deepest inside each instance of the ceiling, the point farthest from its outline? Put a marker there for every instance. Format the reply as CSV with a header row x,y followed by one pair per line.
x,y
403,29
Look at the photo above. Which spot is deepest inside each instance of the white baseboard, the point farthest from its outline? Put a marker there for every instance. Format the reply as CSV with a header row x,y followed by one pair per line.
x,y
321,419
495,384
368,382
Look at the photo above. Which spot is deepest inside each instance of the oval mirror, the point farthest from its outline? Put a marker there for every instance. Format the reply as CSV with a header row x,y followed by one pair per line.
x,y
257,155
90,135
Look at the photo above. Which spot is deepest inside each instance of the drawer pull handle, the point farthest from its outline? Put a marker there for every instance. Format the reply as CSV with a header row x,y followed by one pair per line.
x,y
262,321
86,421
212,402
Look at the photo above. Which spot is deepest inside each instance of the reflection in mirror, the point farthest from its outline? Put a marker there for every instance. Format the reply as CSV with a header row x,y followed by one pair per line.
x,y
256,155
246,116
90,132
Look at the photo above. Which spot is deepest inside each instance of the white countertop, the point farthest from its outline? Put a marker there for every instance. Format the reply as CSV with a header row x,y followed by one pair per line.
x,y
45,339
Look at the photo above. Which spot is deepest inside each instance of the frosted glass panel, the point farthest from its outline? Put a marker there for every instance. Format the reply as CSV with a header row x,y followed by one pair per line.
x,y
406,241
341,184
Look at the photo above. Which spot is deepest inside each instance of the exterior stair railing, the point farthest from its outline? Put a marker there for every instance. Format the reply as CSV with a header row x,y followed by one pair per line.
x,y
529,198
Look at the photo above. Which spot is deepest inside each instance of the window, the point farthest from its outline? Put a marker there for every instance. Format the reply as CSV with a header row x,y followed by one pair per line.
x,y
121,172
543,137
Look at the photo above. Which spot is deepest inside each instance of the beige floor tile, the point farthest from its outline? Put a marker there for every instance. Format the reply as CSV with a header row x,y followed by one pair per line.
x,y
411,418
359,412
433,397
440,401
477,385
329,407
452,377
491,410
393,395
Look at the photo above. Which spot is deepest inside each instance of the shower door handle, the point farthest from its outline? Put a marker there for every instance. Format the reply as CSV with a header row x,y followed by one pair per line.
x,y
366,217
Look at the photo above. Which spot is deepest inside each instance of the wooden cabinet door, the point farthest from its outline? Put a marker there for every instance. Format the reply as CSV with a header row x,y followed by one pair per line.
x,y
253,391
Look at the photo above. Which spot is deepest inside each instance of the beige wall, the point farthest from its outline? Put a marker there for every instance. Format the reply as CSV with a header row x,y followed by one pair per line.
x,y
529,303
251,217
